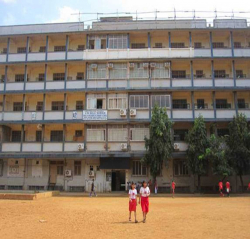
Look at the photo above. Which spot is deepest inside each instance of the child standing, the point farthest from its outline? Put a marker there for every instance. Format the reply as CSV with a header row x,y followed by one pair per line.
x,y
92,189
221,188
156,186
132,201
228,188
173,188
144,194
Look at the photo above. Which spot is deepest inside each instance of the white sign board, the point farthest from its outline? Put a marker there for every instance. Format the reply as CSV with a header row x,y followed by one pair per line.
x,y
95,115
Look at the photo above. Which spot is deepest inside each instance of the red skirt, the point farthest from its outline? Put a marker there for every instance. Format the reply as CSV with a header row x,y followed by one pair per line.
x,y
132,205
144,204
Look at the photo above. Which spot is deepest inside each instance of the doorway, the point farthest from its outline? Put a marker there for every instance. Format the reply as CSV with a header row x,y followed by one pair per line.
x,y
118,180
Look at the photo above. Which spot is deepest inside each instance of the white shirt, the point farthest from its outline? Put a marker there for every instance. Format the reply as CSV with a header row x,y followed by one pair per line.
x,y
144,191
132,193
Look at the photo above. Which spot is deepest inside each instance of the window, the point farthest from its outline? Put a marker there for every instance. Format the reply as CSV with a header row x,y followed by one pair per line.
x,y
201,104
80,76
78,133
16,136
77,168
79,105
199,74
139,71
139,101
39,106
161,100
91,168
180,134
59,169
139,169
119,41
117,101
158,45
218,45
59,48
97,41
58,76
237,44
97,101
222,132
56,136
239,74
160,71
42,49
4,51
119,71
38,136
197,45
220,74
19,78
57,105
41,77
2,78
17,106
97,71
138,45
179,74
180,104
180,168
177,45
96,133
117,133
21,50
80,48
139,132
222,104
242,104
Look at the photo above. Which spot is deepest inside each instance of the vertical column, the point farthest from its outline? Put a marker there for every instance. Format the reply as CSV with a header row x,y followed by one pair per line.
x,y
64,134
67,47
236,102
47,48
192,73
8,50
65,76
107,41
45,75
128,41
232,43
22,138
87,41
211,43
24,99
234,73
192,102
64,106
149,40
214,105
169,40
25,76
212,69
27,48
190,39
170,72
44,105
43,135
5,78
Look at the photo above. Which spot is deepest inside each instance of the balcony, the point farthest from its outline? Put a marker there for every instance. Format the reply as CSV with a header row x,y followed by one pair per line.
x,y
17,57
56,56
33,116
242,52
14,86
203,81
53,115
35,85
12,116
36,56
182,82
52,147
204,110
225,81
222,52
116,84
32,147
2,58
202,52
11,147
243,81
54,85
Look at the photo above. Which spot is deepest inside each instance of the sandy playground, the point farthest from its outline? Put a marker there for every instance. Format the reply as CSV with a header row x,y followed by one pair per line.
x,y
81,217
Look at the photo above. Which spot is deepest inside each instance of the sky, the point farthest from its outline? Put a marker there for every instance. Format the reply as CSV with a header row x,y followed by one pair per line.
x,y
15,12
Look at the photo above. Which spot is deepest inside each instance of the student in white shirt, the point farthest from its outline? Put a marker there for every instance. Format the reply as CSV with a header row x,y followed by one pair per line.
x,y
144,194
132,201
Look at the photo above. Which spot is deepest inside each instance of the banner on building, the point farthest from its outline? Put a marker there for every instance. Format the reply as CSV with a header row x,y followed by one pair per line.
x,y
95,115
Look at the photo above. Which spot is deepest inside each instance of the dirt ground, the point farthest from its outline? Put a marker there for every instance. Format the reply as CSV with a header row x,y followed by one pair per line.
x,y
81,217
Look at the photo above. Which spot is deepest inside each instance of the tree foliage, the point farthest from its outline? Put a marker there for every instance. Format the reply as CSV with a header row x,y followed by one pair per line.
x,y
159,146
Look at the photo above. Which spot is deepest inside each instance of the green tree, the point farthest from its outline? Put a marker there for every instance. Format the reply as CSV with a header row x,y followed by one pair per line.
x,y
159,146
238,146
215,154
197,145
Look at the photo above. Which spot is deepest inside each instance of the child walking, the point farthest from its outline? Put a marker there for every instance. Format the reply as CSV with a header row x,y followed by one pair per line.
x,y
228,188
92,189
132,201
173,188
221,188
144,194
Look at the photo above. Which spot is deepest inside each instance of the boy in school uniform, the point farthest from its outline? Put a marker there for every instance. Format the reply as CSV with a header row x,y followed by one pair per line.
x,y
132,201
143,199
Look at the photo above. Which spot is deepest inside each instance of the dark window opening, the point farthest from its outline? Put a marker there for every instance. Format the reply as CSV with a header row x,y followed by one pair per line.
x,y
180,104
180,134
179,74
99,103
56,136
38,136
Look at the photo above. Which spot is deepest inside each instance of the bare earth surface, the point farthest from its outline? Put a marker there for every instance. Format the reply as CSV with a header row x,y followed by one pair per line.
x,y
77,217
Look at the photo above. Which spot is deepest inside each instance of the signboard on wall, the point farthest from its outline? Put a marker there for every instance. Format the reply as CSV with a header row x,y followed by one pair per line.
x,y
95,115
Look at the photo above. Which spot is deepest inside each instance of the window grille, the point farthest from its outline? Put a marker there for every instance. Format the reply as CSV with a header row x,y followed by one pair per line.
x,y
118,41
177,45
138,45
79,105
38,136
42,49
237,44
117,101
197,45
57,105
80,76
95,135
77,168
17,106
117,133
161,100
139,169
139,101
56,136
39,106
80,48
59,48
138,134
179,74
160,71
119,71
41,77
16,136
21,50
180,168
139,71
19,78
58,76
99,73
158,45
180,134
220,74
180,104
218,45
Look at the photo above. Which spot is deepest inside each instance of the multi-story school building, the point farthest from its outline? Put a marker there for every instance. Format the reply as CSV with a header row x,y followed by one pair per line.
x,y
76,103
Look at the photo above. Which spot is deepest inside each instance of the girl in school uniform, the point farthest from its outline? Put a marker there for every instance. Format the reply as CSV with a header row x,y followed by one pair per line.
x,y
144,194
132,201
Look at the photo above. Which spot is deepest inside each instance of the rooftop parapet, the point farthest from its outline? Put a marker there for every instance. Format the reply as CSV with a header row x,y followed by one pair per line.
x,y
230,23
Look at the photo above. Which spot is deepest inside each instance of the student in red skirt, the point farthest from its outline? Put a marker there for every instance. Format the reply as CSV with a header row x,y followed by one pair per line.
x,y
132,201
173,188
221,188
144,194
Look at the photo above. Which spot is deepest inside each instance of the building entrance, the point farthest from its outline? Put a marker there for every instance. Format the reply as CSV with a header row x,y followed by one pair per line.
x,y
118,180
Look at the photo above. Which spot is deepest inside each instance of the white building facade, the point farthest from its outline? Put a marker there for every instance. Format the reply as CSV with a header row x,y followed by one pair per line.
x,y
76,104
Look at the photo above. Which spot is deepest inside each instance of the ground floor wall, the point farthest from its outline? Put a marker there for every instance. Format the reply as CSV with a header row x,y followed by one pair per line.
x,y
78,175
